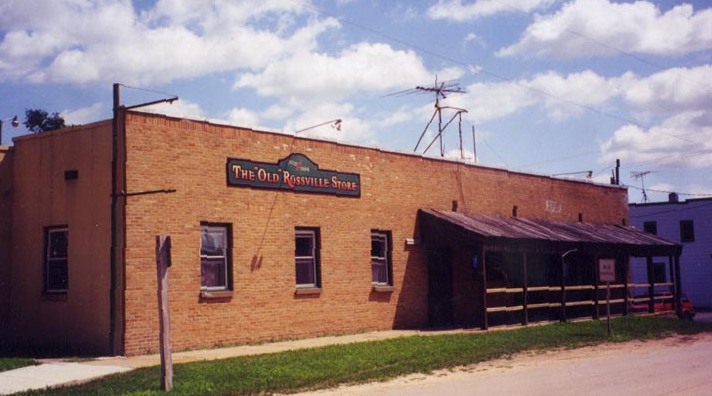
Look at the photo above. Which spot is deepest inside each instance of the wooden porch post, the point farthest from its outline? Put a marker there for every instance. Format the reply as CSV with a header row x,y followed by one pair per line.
x,y
483,260
525,297
596,285
626,290
671,270
651,285
563,287
678,287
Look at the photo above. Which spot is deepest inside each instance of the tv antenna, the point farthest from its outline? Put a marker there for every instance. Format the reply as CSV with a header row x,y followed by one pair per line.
x,y
641,176
441,89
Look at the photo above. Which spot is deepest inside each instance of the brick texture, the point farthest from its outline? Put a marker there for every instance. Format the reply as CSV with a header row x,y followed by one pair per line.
x,y
190,158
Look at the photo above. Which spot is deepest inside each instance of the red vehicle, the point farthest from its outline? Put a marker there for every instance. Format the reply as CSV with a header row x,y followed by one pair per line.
x,y
664,303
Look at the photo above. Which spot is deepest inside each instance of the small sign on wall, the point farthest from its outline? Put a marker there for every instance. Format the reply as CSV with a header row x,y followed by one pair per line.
x,y
607,269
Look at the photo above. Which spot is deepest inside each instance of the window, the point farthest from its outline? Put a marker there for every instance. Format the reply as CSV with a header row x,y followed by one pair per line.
x,y
659,273
380,258
56,260
687,231
215,252
651,227
306,257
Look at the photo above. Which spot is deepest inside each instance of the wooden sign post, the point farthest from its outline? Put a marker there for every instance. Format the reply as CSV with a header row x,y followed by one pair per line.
x,y
607,273
163,262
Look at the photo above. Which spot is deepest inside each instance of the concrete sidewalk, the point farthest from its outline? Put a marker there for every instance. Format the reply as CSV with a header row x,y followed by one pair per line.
x,y
55,372
52,374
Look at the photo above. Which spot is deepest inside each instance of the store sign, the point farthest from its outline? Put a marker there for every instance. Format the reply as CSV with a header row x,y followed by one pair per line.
x,y
294,173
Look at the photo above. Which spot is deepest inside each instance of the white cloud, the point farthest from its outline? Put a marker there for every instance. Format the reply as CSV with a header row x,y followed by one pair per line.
x,y
672,90
683,140
244,117
179,108
84,115
455,10
586,28
490,101
107,41
317,76
561,95
564,96
318,123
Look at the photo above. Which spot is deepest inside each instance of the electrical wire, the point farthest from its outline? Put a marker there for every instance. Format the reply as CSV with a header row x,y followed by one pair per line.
x,y
677,209
486,72
668,192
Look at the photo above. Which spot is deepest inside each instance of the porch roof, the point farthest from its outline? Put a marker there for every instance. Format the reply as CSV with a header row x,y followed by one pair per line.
x,y
557,235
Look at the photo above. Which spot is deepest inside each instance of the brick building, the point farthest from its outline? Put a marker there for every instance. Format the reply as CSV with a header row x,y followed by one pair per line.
x,y
277,237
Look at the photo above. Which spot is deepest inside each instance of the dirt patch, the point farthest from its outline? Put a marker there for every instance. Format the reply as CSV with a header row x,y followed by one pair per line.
x,y
523,361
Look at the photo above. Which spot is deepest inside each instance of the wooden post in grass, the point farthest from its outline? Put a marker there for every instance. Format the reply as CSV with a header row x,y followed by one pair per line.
x,y
163,262
607,273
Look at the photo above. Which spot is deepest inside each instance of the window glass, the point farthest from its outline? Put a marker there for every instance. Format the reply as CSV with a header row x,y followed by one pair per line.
x,y
214,257
380,260
687,231
306,260
57,260
659,273
651,227
304,245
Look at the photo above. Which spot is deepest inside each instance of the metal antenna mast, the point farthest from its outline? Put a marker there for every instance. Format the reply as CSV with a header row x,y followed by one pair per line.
x,y
641,176
441,90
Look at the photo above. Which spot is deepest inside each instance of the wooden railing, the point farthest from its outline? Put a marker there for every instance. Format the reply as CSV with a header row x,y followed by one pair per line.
x,y
584,302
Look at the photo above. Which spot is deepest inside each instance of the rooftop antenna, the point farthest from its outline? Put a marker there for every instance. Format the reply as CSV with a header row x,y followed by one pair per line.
x,y
441,89
641,176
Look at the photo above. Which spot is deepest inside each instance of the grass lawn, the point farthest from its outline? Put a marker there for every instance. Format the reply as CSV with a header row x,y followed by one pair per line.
x,y
373,361
13,363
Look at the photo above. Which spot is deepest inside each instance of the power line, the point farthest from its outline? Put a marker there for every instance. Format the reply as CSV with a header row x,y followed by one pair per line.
x,y
669,192
489,73
676,209
612,47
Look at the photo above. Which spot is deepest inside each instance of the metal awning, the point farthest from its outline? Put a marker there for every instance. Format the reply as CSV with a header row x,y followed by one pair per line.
x,y
549,235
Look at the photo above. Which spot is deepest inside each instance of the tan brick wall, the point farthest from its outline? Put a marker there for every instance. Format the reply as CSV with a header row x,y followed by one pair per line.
x,y
42,198
190,157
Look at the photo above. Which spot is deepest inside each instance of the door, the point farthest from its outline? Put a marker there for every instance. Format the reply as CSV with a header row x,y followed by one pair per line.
x,y
440,287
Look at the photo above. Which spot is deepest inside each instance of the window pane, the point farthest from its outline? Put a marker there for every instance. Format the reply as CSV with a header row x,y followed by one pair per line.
x,y
58,244
57,278
650,227
304,245
213,241
378,246
305,272
212,272
687,231
379,271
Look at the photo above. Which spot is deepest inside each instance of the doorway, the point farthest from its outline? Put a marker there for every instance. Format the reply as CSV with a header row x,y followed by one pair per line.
x,y
440,287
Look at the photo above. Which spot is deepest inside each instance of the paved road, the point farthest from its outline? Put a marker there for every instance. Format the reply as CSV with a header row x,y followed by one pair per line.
x,y
677,366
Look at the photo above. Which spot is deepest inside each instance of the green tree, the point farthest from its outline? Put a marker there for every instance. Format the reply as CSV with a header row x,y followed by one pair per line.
x,y
38,120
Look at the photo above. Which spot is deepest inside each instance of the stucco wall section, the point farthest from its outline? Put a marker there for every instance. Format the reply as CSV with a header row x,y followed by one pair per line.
x,y
5,229
190,158
42,197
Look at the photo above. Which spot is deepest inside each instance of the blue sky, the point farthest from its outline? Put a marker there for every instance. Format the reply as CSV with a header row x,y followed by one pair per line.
x,y
552,86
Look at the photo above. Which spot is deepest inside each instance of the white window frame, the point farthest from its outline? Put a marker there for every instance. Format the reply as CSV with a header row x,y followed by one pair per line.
x,y
384,261
225,229
314,257
49,231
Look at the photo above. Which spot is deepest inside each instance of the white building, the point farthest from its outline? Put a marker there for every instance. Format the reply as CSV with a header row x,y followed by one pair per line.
x,y
690,223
